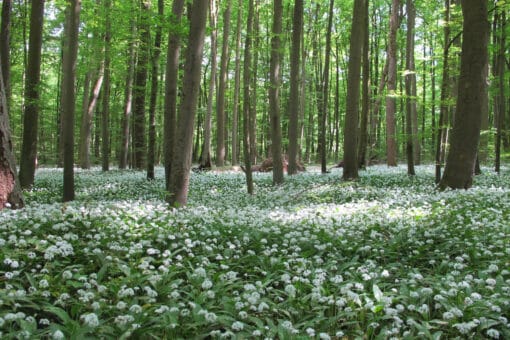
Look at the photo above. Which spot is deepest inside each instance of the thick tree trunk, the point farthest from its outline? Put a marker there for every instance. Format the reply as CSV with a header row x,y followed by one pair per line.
x,y
32,93
139,142
172,75
274,93
466,129
247,92
410,80
351,164
294,107
151,152
128,100
10,190
391,104
220,103
237,89
181,163
5,51
105,117
69,95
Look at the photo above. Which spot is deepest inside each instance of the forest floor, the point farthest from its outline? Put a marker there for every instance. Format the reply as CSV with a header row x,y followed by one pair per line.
x,y
386,256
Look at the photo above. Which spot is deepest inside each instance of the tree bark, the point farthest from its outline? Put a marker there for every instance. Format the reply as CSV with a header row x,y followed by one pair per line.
x,y
139,142
68,95
351,165
105,121
365,95
410,84
391,105
294,107
247,92
32,94
151,152
172,75
10,190
500,98
181,163
5,51
466,129
274,93
237,89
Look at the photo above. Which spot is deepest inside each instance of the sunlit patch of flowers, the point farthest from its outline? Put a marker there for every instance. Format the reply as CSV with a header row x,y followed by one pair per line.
x,y
387,256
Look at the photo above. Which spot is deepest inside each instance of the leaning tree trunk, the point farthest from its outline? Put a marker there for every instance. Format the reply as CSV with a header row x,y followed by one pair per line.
x,y
10,190
274,94
466,129
181,163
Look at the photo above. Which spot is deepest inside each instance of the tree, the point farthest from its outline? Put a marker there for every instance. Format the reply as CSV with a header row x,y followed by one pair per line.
x,y
237,88
181,163
297,29
410,80
10,190
365,95
151,152
220,103
247,92
105,121
391,103
274,94
466,128
351,164
68,94
32,94
139,143
5,52
172,75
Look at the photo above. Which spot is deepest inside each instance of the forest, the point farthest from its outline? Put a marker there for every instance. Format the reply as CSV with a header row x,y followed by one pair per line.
x,y
285,169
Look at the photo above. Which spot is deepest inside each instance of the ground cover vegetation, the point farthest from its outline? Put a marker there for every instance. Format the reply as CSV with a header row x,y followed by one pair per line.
x,y
386,256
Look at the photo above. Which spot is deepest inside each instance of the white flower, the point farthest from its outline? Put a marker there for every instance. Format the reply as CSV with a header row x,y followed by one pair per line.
x,y
493,333
66,275
135,309
58,335
207,284
290,290
237,326
43,283
210,317
90,319
310,331
324,336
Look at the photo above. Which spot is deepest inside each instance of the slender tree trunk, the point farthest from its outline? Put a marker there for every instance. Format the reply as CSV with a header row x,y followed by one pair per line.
x,y
274,93
294,107
220,102
5,51
10,189
323,113
69,95
391,105
181,163
410,80
139,89
205,160
247,92
351,164
254,87
172,75
32,94
128,99
86,120
484,137
365,100
466,129
500,98
237,88
151,152
105,121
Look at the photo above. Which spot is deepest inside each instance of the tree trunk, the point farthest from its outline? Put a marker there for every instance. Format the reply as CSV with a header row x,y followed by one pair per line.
x,y
500,98
10,190
139,143
68,95
86,120
5,51
181,163
410,80
237,88
391,104
274,94
105,121
220,103
205,160
247,92
254,87
466,129
351,164
32,94
365,100
128,99
172,75
151,152
294,107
